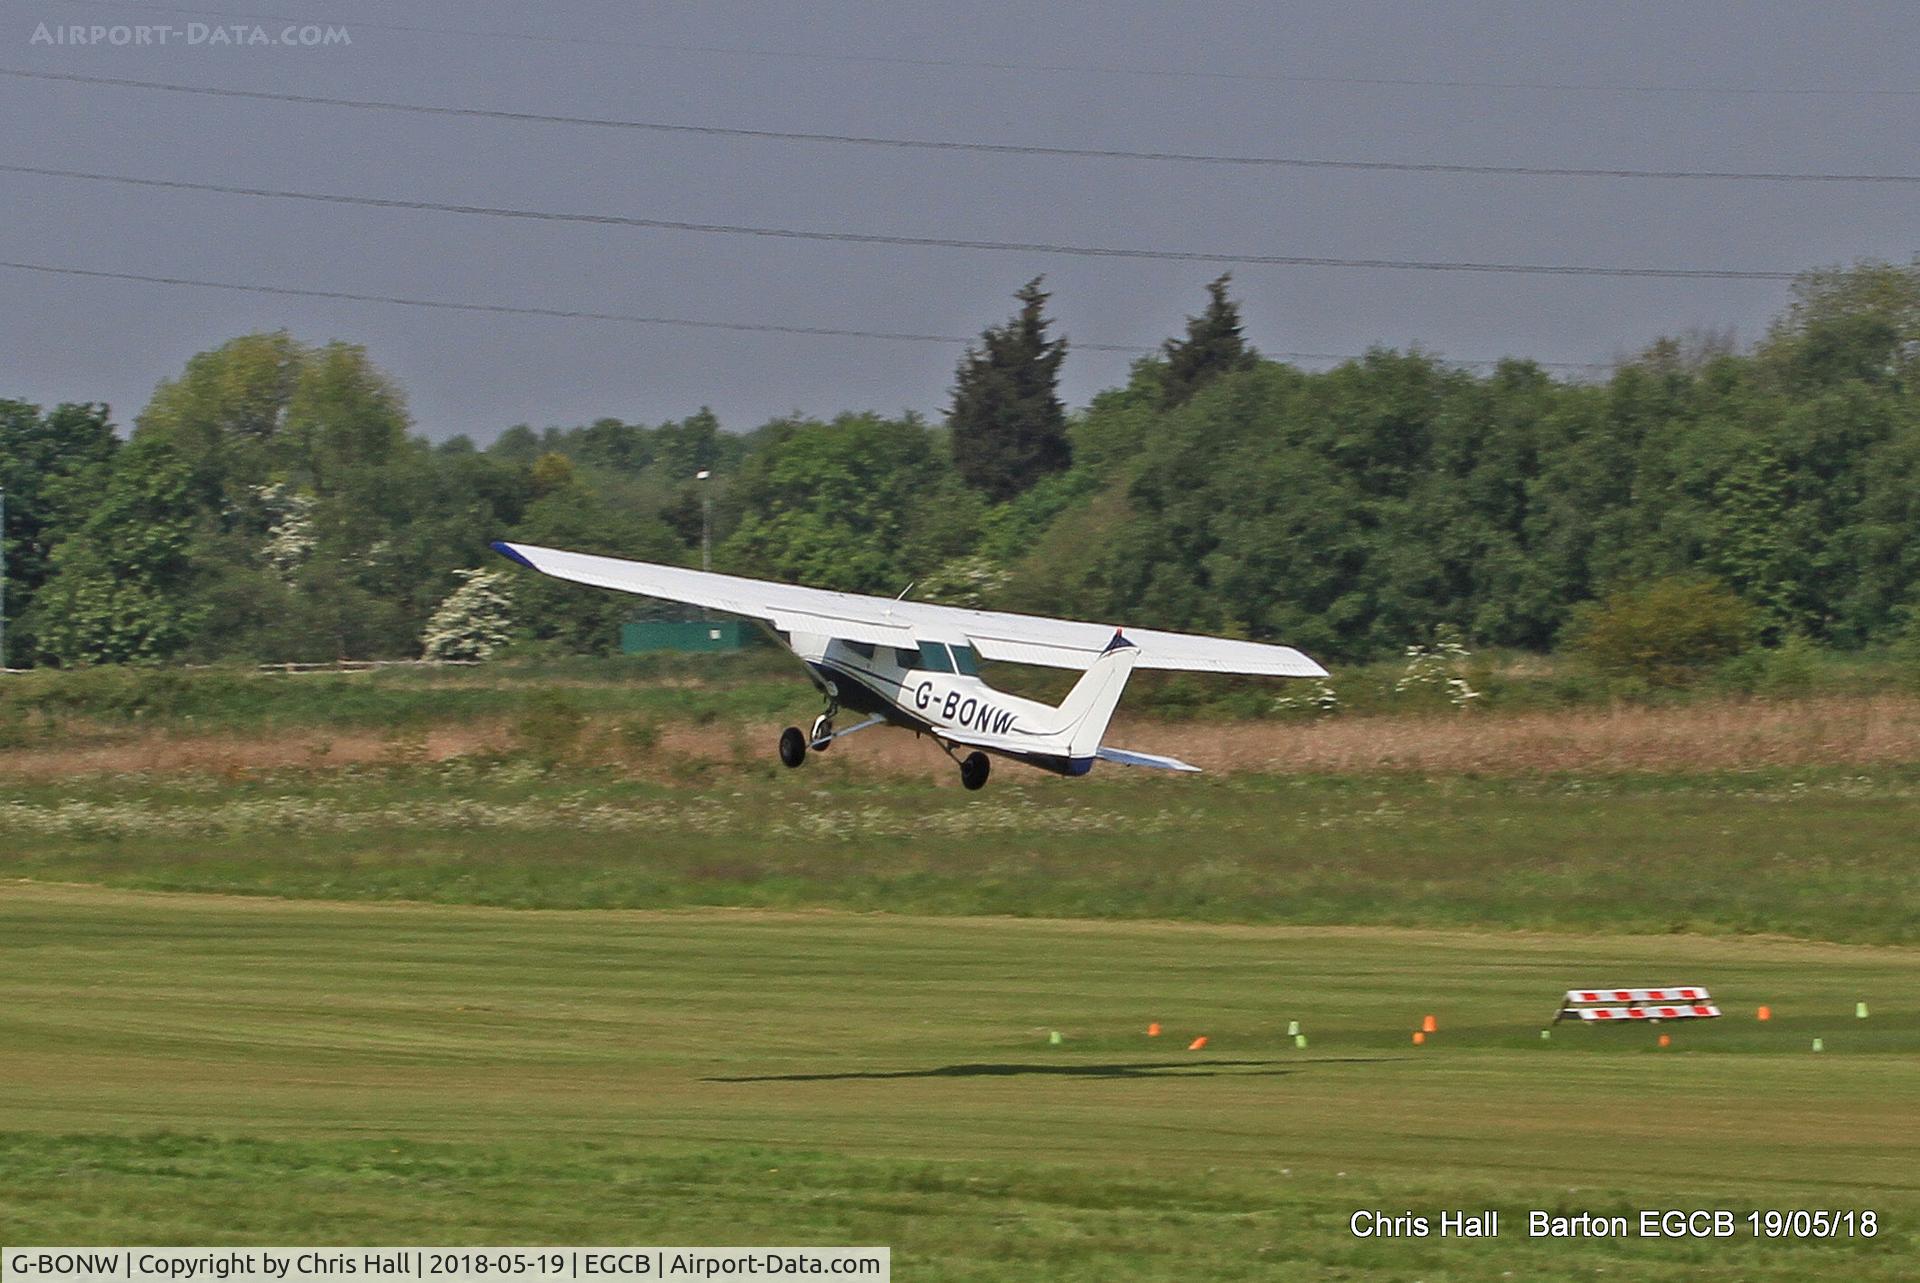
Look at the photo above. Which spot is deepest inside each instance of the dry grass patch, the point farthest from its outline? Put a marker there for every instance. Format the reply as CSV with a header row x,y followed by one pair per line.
x,y
1876,730
1722,735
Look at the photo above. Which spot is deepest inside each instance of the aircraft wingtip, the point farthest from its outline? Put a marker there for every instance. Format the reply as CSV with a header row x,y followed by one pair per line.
x,y
507,550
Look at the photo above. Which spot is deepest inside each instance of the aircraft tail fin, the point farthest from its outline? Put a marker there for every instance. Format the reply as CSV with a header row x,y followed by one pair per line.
x,y
1089,706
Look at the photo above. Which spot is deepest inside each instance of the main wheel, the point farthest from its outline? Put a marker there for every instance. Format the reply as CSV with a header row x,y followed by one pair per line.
x,y
793,746
975,769
822,738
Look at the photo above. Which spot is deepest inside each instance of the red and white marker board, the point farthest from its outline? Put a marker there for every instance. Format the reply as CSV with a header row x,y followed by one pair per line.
x,y
1623,1005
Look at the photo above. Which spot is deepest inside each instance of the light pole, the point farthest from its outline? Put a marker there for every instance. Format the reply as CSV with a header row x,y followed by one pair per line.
x,y
706,519
705,478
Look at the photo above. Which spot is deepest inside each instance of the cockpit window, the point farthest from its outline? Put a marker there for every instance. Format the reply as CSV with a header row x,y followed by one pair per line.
x,y
934,658
966,660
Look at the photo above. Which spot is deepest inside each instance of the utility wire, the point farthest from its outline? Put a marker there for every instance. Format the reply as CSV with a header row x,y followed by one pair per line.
x,y
559,313
949,145
937,242
633,319
1264,77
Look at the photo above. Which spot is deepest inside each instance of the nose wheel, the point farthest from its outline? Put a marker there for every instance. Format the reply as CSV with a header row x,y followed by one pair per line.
x,y
974,770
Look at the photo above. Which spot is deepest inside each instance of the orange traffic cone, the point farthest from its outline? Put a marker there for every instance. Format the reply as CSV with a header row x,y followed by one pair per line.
x,y
1153,1030
1666,1040
1419,1037
1765,1013
1197,1043
1429,1025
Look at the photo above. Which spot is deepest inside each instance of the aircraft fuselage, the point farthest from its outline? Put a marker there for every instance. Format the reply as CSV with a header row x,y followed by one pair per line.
x,y
923,689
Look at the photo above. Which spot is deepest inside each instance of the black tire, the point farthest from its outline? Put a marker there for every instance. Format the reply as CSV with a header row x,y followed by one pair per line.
x,y
975,769
793,747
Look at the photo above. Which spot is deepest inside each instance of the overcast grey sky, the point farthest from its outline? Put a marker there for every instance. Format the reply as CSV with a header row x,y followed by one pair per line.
x,y
73,339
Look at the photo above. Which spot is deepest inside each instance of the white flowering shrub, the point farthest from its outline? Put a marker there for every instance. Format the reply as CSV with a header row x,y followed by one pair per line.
x,y
1439,669
1317,700
475,620
290,537
973,582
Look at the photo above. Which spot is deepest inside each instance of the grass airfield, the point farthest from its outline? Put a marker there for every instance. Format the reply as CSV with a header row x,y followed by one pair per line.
x,y
194,1067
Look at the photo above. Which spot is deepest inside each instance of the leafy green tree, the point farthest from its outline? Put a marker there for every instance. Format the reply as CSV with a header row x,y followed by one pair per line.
x,y
119,587
1883,542
1353,511
550,472
224,414
53,467
1009,428
693,445
1849,323
613,446
518,444
862,504
1665,633
573,618
1214,345
345,422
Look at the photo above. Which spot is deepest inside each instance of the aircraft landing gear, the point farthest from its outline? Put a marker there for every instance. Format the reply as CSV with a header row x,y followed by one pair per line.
x,y
793,747
975,769
822,738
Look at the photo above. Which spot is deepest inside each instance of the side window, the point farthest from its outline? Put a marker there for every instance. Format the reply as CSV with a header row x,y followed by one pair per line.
x,y
907,659
966,660
933,658
862,649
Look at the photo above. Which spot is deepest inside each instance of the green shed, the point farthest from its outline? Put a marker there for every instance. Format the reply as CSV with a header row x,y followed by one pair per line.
x,y
643,636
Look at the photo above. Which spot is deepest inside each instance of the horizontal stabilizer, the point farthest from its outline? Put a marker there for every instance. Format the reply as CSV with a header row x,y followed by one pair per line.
x,y
1126,757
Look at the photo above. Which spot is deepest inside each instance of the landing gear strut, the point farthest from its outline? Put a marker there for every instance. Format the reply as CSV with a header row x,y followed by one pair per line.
x,y
974,770
822,738
793,747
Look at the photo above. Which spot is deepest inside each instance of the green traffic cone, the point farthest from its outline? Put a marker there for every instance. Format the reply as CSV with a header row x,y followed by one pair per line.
x,y
1293,1028
1860,1010
1300,1041
1819,1045
1054,1038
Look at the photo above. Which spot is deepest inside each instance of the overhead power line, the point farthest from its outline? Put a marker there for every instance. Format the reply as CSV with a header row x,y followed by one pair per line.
x,y
979,64
570,314
955,145
573,314
935,242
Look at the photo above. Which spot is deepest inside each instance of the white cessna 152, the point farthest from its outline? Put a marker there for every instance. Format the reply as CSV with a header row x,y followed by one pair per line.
x,y
918,665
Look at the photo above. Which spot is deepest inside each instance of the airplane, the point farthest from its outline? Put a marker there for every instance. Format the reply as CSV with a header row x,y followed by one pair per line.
x,y
917,665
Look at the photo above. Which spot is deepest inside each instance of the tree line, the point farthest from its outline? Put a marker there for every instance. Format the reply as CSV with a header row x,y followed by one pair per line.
x,y
272,502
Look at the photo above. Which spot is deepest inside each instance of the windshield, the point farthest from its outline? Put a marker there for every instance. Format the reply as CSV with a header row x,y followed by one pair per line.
x,y
933,658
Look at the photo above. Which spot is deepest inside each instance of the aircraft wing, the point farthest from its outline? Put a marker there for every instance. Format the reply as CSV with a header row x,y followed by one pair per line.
x,y
1000,635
